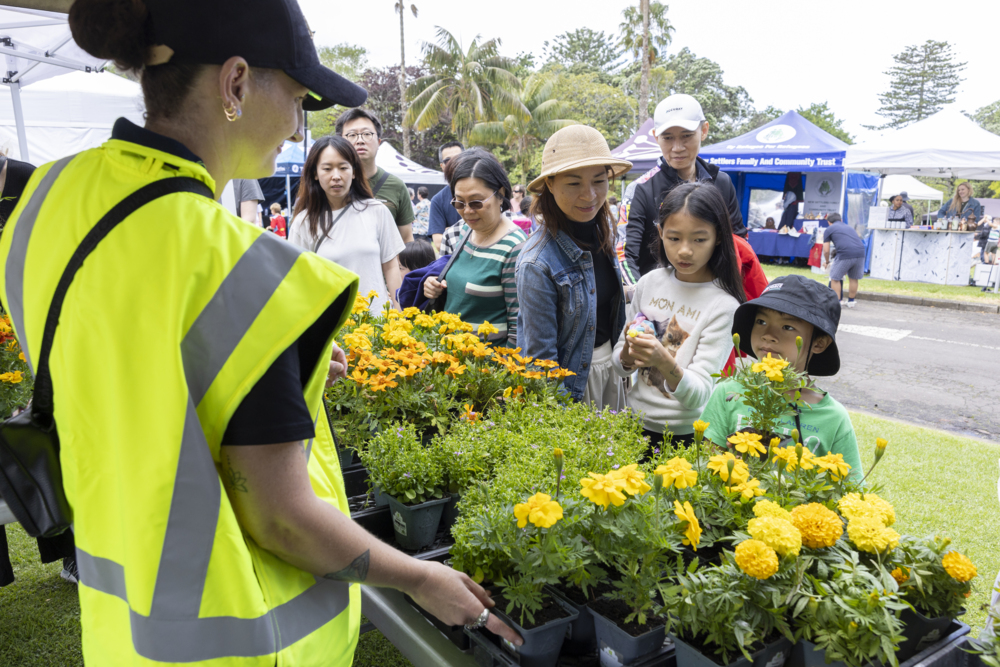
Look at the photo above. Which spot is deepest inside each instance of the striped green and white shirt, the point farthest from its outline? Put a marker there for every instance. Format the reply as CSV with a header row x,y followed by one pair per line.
x,y
481,285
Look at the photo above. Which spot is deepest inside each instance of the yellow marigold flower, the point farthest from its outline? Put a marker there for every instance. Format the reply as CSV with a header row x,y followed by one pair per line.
x,y
787,454
776,533
868,533
365,330
677,472
692,534
373,294
770,508
603,490
852,506
559,374
820,527
747,443
533,375
700,427
900,576
486,329
833,464
349,322
469,415
455,369
958,566
382,382
360,306
359,376
756,559
21,357
749,489
540,510
771,367
546,363
423,320
410,312
632,479
718,465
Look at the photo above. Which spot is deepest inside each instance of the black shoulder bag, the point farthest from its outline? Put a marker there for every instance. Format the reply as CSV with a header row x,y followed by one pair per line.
x,y
30,476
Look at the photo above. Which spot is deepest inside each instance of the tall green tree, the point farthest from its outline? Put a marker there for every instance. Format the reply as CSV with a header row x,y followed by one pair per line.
x,y
645,33
582,50
473,84
923,80
727,108
347,60
522,135
401,10
988,117
820,115
600,105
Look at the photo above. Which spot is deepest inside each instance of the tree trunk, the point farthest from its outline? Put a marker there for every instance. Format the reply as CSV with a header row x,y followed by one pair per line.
x,y
403,106
646,66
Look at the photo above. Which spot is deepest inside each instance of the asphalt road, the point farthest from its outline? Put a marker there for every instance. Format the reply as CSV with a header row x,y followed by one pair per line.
x,y
926,366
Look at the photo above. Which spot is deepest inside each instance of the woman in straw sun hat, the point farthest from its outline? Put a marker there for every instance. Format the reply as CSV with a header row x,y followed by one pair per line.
x,y
569,282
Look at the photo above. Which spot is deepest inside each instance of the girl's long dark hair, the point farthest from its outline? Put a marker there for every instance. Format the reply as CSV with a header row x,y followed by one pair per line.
x,y
312,198
703,201
545,209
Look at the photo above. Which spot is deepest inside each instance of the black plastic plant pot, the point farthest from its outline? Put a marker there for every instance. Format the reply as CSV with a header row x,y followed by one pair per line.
x,y
416,526
450,513
346,456
775,654
617,645
381,498
807,654
542,644
920,632
581,639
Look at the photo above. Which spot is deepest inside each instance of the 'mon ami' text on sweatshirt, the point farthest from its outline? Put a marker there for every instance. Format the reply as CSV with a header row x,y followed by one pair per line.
x,y
694,322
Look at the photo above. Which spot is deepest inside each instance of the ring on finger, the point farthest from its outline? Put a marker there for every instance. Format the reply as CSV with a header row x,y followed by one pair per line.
x,y
479,622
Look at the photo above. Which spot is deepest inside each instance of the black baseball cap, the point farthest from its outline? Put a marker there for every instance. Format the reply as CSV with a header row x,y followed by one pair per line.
x,y
805,299
271,34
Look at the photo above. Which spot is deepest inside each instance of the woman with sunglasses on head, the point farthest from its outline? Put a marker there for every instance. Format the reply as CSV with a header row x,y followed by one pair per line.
x,y
479,280
569,282
338,218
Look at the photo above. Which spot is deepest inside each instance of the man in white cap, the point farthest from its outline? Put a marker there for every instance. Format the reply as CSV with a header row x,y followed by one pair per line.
x,y
679,126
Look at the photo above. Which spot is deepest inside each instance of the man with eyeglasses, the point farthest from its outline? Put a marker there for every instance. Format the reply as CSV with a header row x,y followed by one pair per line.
x,y
364,130
443,215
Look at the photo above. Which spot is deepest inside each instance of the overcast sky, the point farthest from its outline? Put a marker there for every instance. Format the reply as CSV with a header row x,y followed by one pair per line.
x,y
785,53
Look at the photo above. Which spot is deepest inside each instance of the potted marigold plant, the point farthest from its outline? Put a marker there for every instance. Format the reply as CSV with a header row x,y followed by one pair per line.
x,y
936,581
542,553
637,536
16,381
411,476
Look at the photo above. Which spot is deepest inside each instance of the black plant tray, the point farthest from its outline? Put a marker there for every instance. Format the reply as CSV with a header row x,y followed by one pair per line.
x,y
487,651
378,522
355,480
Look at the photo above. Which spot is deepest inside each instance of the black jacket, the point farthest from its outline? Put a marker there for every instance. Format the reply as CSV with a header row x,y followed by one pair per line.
x,y
640,232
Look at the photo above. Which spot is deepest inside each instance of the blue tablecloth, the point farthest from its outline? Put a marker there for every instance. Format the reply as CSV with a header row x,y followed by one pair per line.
x,y
772,244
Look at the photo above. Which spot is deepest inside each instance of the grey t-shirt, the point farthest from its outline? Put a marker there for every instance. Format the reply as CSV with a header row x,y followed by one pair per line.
x,y
246,190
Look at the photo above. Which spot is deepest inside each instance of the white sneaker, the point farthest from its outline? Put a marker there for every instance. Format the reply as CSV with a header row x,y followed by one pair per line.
x,y
850,303
843,302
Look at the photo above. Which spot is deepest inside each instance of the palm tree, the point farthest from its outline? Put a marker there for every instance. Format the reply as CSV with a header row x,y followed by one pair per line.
x,y
401,10
520,134
473,85
645,43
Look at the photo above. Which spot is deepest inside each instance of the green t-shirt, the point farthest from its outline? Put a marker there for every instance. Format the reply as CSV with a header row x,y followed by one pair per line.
x,y
394,194
481,285
826,427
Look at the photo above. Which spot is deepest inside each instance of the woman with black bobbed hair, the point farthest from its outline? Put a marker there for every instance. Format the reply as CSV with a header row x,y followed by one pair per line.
x,y
479,281
208,505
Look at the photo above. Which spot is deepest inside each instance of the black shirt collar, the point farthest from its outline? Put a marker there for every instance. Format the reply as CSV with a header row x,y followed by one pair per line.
x,y
126,130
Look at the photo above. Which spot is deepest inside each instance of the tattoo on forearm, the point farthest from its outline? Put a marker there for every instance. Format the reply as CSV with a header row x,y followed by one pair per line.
x,y
356,572
234,478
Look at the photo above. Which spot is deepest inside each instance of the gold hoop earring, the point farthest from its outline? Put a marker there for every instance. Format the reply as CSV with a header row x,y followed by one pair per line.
x,y
233,113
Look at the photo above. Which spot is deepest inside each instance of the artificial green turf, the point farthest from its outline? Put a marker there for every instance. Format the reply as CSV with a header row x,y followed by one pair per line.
x,y
923,290
939,484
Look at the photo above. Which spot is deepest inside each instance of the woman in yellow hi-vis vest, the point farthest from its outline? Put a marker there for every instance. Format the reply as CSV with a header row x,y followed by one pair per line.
x,y
191,355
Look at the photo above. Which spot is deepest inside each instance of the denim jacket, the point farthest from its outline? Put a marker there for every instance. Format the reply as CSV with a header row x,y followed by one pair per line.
x,y
557,294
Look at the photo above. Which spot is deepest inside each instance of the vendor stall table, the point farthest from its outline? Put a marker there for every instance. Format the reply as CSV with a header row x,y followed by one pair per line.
x,y
922,255
772,244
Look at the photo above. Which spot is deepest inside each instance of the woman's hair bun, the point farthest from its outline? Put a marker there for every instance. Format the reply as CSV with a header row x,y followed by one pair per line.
x,y
118,30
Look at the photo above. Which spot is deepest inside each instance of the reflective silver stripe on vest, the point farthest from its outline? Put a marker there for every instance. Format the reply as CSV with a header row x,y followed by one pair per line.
x,y
236,304
19,251
173,632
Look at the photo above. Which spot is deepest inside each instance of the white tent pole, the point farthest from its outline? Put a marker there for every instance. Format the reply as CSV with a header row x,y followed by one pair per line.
x,y
22,138
288,198
843,191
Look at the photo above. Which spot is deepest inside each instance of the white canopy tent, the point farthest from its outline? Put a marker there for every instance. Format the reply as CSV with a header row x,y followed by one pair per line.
x,y
36,45
914,189
69,114
947,145
407,170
